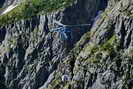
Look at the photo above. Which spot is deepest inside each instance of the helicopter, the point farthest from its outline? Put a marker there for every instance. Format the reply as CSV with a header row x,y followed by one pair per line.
x,y
65,30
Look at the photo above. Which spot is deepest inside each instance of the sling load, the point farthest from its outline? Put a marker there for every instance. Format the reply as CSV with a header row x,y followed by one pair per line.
x,y
65,78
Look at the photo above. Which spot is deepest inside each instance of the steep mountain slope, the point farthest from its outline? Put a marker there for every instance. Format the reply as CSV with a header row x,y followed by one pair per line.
x,y
98,56
103,58
30,52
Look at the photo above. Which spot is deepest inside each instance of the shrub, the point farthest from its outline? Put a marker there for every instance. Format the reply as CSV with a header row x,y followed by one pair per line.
x,y
109,45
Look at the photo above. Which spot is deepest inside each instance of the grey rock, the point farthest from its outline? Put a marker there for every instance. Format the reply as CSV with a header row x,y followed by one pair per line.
x,y
33,57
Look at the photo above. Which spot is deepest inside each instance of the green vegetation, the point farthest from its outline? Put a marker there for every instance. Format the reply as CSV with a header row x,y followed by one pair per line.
x,y
55,84
93,60
92,48
67,86
127,13
109,45
124,11
94,52
31,8
106,13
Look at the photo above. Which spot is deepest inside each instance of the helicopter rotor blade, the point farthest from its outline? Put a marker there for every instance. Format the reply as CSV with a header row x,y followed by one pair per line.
x,y
77,25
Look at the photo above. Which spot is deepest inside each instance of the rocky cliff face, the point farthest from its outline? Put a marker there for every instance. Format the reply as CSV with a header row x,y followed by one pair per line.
x,y
102,59
5,3
98,56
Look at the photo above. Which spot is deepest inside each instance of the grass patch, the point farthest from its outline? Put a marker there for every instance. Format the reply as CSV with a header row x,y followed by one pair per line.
x,y
109,45
93,60
95,52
